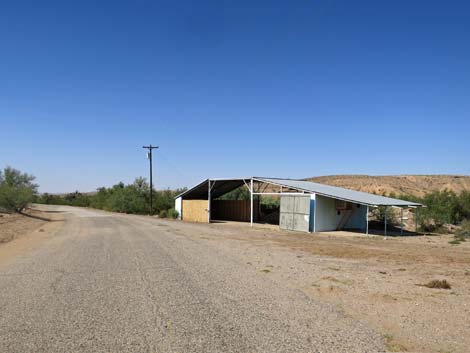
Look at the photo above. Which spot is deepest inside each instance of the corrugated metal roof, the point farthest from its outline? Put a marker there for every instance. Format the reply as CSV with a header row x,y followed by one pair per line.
x,y
339,193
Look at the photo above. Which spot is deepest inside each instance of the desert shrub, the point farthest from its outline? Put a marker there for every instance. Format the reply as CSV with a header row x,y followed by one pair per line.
x,y
99,200
464,205
17,189
163,200
438,283
77,199
429,225
127,198
50,199
130,198
163,214
443,207
464,232
270,202
172,213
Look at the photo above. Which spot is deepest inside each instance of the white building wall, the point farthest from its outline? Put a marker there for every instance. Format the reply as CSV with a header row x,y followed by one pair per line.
x,y
325,214
178,207
327,218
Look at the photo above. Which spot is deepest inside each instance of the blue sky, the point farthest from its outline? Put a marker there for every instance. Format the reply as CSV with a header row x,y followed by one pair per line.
x,y
232,88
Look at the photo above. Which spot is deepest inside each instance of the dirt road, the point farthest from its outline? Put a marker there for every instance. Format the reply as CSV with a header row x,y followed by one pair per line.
x,y
117,283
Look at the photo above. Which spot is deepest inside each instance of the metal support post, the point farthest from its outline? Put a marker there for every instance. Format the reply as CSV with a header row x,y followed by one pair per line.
x,y
416,220
401,221
209,201
251,202
385,228
367,220
315,214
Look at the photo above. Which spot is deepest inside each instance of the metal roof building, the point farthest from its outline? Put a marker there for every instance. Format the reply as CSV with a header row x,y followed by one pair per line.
x,y
304,205
363,198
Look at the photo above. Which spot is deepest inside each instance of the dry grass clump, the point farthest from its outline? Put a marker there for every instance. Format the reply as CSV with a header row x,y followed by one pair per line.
x,y
438,283
463,233
392,345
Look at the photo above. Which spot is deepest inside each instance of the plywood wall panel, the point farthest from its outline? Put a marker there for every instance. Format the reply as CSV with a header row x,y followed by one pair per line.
x,y
195,210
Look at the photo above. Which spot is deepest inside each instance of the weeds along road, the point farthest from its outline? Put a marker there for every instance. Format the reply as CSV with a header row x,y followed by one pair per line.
x,y
115,283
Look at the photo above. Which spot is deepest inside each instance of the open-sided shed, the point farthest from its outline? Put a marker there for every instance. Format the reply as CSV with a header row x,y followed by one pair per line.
x,y
304,205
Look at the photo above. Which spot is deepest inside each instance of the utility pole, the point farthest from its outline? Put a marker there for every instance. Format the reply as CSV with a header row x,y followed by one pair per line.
x,y
149,156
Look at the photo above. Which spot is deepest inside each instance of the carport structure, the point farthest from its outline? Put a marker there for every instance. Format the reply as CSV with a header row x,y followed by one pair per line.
x,y
304,205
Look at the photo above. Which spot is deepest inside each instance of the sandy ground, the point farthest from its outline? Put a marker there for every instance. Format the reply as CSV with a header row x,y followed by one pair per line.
x,y
370,279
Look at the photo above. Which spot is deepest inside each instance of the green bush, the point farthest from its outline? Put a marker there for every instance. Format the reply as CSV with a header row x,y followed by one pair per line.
x,y
126,199
441,207
270,202
17,190
49,199
172,213
131,198
464,205
163,214
77,199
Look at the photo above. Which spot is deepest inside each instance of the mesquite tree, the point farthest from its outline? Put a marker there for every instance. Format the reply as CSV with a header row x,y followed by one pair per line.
x,y
17,189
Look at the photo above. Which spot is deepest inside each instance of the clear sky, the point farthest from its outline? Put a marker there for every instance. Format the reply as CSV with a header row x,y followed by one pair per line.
x,y
232,88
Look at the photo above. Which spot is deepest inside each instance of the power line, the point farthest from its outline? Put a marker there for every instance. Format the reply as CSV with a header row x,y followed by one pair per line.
x,y
172,166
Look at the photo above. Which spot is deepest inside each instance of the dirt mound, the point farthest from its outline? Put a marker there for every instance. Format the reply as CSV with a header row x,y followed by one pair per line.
x,y
417,185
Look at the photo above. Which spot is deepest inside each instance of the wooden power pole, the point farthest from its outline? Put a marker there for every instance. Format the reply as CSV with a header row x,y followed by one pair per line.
x,y
149,156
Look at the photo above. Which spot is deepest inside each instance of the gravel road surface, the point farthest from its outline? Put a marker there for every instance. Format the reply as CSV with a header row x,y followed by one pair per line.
x,y
117,283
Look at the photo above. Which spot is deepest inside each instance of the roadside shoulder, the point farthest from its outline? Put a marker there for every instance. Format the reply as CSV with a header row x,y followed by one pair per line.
x,y
25,239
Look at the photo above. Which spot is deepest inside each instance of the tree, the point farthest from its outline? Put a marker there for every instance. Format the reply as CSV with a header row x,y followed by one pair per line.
x,y
17,189
443,207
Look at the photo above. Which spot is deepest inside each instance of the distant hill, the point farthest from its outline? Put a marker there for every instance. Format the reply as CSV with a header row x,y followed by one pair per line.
x,y
417,185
